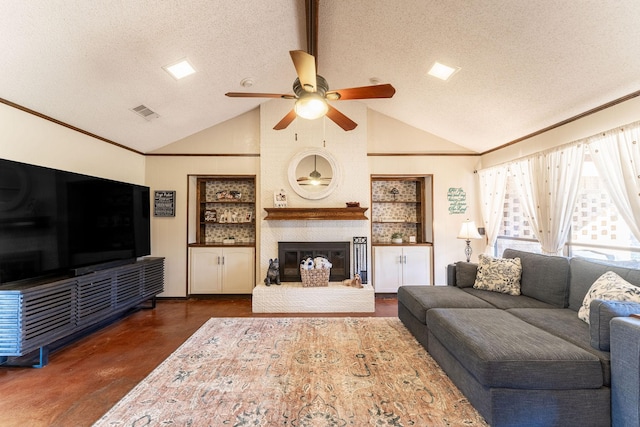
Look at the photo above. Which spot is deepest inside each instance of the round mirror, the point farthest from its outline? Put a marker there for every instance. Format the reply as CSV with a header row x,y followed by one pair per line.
x,y
314,173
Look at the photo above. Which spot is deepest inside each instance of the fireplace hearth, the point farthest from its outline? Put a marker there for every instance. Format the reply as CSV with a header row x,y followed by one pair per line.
x,y
291,254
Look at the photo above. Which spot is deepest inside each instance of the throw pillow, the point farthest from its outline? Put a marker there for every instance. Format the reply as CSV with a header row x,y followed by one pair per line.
x,y
609,287
465,274
498,274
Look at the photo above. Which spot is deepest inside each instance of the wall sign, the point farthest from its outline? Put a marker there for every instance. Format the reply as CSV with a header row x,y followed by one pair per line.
x,y
164,203
457,201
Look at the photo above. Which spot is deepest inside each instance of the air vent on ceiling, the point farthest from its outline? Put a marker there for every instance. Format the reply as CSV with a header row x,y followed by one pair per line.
x,y
145,112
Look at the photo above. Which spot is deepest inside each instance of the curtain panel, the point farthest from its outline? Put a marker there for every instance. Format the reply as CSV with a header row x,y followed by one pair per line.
x,y
616,155
548,186
493,183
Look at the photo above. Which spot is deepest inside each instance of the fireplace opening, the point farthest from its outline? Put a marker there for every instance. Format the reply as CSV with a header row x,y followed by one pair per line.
x,y
291,254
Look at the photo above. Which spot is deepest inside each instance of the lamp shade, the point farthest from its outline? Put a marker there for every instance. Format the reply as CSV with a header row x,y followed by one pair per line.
x,y
469,231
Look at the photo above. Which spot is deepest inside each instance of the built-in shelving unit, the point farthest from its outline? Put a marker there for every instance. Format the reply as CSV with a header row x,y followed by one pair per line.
x,y
398,205
226,209
222,259
402,205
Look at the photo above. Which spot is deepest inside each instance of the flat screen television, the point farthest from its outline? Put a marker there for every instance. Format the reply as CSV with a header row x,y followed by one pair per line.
x,y
54,222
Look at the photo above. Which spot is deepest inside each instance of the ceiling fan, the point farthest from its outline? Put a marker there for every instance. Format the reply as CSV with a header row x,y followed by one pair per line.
x,y
311,91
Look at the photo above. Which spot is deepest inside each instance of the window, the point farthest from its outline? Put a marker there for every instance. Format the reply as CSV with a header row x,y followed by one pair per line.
x,y
597,230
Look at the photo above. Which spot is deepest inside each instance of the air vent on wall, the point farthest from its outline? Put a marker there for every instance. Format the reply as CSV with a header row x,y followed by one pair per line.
x,y
145,112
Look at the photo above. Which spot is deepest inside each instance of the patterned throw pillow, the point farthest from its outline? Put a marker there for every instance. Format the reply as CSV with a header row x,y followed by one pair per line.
x,y
498,274
610,287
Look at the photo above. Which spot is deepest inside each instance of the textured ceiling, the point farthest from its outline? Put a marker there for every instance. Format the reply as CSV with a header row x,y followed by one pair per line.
x,y
525,65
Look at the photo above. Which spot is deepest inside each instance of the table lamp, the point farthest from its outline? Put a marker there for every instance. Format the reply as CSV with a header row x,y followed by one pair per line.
x,y
467,232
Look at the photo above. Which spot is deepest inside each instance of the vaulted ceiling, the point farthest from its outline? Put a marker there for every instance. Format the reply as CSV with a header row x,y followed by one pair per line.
x,y
524,65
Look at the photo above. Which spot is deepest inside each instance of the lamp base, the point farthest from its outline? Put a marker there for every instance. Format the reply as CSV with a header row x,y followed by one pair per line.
x,y
468,251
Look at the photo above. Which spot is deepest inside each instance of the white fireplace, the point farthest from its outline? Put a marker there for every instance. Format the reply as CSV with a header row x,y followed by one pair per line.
x,y
277,150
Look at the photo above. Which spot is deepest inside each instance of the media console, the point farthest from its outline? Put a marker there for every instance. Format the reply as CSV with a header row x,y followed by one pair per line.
x,y
35,315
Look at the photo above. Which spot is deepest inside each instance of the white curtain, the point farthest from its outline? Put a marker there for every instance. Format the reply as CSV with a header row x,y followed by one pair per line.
x,y
616,155
493,183
548,185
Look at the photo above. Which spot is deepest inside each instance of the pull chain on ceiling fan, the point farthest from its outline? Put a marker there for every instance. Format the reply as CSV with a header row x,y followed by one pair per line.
x,y
311,91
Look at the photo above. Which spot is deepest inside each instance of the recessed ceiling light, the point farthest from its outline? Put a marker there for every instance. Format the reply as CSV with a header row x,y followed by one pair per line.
x,y
441,71
180,69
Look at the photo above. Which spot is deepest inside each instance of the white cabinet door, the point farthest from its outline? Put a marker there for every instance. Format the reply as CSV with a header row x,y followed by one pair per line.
x,y
394,266
205,270
218,270
387,268
416,266
238,271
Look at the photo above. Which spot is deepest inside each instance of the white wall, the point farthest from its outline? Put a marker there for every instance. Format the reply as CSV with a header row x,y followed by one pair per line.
x,y
30,139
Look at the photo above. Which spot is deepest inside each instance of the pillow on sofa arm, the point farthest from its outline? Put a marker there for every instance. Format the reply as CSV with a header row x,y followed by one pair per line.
x,y
600,314
466,274
610,287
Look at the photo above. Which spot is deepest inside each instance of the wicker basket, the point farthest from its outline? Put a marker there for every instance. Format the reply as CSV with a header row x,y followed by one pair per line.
x,y
315,277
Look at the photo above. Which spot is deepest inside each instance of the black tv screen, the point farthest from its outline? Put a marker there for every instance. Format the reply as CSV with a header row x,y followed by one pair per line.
x,y
55,222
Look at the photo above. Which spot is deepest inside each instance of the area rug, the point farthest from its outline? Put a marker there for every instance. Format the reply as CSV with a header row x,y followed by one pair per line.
x,y
296,372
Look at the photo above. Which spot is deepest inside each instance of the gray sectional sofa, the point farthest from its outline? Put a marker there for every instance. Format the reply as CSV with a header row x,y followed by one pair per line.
x,y
528,360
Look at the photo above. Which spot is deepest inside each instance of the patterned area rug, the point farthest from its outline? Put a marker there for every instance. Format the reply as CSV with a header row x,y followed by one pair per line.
x,y
296,372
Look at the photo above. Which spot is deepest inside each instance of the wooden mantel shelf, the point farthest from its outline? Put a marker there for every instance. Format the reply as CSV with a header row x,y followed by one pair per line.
x,y
326,214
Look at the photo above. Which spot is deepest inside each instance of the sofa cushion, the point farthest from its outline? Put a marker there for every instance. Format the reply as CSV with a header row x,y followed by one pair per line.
x,y
544,277
610,287
498,274
564,323
601,313
466,274
584,273
418,299
501,350
505,301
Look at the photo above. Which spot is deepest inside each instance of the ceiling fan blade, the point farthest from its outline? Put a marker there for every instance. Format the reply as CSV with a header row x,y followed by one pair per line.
x,y
258,95
340,119
306,68
363,92
286,120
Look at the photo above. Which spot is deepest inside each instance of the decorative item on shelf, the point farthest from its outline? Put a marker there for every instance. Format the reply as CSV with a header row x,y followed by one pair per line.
x,y
228,195
248,216
225,216
396,238
353,204
280,198
468,231
412,239
394,193
210,215
229,240
273,273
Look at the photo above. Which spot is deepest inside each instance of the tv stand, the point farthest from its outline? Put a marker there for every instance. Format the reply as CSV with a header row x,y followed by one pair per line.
x,y
81,271
38,316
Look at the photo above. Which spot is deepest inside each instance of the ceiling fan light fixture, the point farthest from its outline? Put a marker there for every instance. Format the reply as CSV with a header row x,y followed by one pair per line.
x,y
311,106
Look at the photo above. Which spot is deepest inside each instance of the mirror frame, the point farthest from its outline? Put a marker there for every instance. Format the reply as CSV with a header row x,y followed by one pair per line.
x,y
303,192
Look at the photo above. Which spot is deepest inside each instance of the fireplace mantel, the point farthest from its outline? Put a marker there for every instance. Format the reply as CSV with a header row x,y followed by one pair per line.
x,y
327,214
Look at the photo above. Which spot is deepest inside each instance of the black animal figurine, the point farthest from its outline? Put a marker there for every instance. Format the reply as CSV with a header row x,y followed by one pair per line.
x,y
273,273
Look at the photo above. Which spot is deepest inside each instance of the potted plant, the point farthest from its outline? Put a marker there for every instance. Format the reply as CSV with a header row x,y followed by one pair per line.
x,y
396,238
